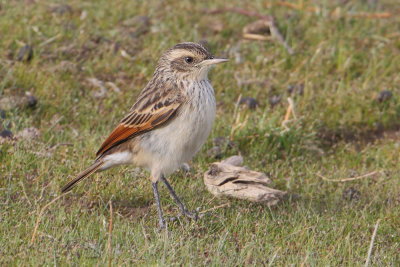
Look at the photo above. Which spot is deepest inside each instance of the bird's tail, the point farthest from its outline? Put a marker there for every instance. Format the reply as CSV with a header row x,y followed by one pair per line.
x,y
93,168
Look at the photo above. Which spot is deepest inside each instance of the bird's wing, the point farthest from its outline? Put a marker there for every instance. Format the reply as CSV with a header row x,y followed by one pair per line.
x,y
154,107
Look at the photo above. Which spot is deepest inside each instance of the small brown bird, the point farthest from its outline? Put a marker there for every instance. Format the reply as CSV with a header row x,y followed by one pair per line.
x,y
169,122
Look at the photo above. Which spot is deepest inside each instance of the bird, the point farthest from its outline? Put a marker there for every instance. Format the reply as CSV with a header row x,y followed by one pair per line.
x,y
167,125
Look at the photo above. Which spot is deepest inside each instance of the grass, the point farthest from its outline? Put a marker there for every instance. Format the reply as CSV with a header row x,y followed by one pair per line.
x,y
342,63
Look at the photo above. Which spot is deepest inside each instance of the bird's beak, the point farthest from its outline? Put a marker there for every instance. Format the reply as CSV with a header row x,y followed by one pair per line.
x,y
213,61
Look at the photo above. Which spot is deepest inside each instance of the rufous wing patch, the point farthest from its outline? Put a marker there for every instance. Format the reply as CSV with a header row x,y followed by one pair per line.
x,y
135,124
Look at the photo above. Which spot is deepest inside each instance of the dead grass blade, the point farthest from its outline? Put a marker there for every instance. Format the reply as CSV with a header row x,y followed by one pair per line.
x,y
257,37
371,245
41,213
110,227
289,111
349,178
24,192
214,208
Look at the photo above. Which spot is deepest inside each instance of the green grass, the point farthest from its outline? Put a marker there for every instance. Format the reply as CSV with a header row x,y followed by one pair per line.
x,y
342,130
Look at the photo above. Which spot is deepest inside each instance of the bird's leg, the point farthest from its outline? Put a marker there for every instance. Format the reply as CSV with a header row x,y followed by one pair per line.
x,y
184,211
160,215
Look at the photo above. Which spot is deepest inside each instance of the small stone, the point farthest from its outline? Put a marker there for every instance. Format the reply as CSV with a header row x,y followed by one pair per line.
x,y
275,99
31,101
249,102
25,53
385,95
6,134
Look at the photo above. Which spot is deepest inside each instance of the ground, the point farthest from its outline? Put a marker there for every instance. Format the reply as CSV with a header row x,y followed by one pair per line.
x,y
343,79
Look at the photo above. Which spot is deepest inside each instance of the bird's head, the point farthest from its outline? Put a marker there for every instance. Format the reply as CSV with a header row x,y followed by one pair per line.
x,y
188,61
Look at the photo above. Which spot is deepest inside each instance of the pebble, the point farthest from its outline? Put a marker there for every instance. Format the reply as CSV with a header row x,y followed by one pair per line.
x,y
31,101
6,134
385,95
25,53
249,102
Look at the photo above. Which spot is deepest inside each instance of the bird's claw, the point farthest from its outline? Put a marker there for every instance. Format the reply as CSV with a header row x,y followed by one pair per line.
x,y
163,226
194,215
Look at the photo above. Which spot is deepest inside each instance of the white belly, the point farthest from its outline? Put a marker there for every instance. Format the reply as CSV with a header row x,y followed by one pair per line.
x,y
166,148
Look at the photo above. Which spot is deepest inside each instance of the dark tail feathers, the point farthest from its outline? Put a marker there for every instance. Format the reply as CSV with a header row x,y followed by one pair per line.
x,y
94,167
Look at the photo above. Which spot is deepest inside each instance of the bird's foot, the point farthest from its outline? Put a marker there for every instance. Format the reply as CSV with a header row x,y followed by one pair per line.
x,y
162,225
194,215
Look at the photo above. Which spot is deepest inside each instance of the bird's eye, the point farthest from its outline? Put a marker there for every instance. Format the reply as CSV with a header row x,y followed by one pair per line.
x,y
188,60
